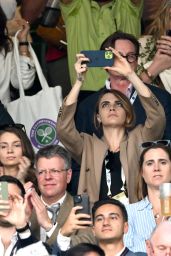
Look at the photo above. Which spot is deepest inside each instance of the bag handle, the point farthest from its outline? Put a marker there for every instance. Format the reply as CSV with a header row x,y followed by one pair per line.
x,y
38,68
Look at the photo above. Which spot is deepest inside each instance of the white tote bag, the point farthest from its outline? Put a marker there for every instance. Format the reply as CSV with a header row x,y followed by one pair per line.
x,y
38,112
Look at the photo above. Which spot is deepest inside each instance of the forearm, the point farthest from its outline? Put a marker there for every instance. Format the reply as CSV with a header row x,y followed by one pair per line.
x,y
73,95
139,86
149,74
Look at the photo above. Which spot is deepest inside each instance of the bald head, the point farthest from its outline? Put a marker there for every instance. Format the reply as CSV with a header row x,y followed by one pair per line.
x,y
160,241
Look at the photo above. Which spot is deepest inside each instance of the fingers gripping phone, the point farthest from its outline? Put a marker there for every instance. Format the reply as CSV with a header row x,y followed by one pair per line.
x,y
82,200
99,58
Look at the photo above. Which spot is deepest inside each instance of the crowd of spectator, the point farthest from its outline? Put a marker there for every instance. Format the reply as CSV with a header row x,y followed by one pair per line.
x,y
114,126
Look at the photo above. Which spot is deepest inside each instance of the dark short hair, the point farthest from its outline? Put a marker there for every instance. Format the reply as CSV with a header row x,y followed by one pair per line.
x,y
119,35
84,248
130,115
54,151
141,186
13,180
110,201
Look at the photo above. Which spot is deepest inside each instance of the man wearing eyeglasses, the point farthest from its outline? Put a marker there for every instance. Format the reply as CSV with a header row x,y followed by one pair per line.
x,y
52,208
128,46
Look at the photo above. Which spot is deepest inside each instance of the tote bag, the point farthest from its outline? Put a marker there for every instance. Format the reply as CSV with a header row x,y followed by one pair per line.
x,y
38,112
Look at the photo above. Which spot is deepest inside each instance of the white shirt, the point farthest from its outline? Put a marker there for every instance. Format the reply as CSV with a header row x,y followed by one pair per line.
x,y
9,249
43,233
36,248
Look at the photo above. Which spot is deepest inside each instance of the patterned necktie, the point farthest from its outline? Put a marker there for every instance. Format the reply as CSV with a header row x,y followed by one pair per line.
x,y
54,210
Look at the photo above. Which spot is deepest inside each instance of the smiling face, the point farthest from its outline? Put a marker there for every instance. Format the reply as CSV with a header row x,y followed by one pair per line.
x,y
52,178
109,224
10,149
156,167
111,111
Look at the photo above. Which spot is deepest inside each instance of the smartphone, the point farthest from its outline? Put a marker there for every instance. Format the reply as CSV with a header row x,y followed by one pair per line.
x,y
82,200
4,190
99,58
168,32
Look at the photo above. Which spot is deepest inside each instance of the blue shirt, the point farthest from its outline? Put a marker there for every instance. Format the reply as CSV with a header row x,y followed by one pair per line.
x,y
141,223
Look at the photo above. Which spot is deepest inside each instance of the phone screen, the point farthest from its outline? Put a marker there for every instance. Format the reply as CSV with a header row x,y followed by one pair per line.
x,y
4,190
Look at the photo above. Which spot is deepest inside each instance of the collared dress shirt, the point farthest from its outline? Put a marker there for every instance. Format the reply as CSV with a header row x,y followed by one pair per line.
x,y
141,223
43,233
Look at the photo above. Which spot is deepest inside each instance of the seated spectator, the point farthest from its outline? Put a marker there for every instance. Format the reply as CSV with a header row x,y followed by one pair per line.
x,y
84,249
109,164
110,224
128,46
155,51
143,216
52,208
16,154
15,234
160,240
8,63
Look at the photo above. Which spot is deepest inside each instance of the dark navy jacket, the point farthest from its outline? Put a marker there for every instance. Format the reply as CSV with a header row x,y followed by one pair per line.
x,y
85,111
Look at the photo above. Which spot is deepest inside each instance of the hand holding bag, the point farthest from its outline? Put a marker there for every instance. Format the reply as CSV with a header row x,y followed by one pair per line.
x,y
38,112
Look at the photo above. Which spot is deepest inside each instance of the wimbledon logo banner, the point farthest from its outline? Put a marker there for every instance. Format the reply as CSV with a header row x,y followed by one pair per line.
x,y
43,133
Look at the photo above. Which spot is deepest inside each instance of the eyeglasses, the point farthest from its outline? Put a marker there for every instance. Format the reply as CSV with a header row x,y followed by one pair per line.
x,y
52,172
131,57
17,126
148,144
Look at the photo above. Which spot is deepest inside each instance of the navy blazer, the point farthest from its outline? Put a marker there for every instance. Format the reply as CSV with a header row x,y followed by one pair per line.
x,y
84,115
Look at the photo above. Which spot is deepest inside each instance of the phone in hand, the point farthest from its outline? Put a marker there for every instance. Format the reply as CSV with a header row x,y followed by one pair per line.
x,y
100,58
168,32
82,200
4,190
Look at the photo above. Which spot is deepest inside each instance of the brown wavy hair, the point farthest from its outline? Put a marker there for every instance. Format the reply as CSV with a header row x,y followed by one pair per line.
x,y
130,115
161,20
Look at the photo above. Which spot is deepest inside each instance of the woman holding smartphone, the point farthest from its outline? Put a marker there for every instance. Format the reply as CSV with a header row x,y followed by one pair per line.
x,y
109,164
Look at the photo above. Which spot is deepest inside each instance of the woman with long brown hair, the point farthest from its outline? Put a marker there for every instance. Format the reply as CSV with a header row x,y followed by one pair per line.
x,y
143,216
109,163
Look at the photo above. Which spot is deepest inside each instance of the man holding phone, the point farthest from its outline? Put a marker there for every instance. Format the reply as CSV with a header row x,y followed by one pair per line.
x,y
15,234
53,165
128,46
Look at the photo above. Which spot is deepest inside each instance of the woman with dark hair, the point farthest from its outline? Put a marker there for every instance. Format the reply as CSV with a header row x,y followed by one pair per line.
x,y
8,65
155,169
109,163
16,153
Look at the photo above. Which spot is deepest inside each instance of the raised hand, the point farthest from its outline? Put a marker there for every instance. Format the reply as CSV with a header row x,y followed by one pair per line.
x,y
41,211
75,222
23,167
121,65
81,68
